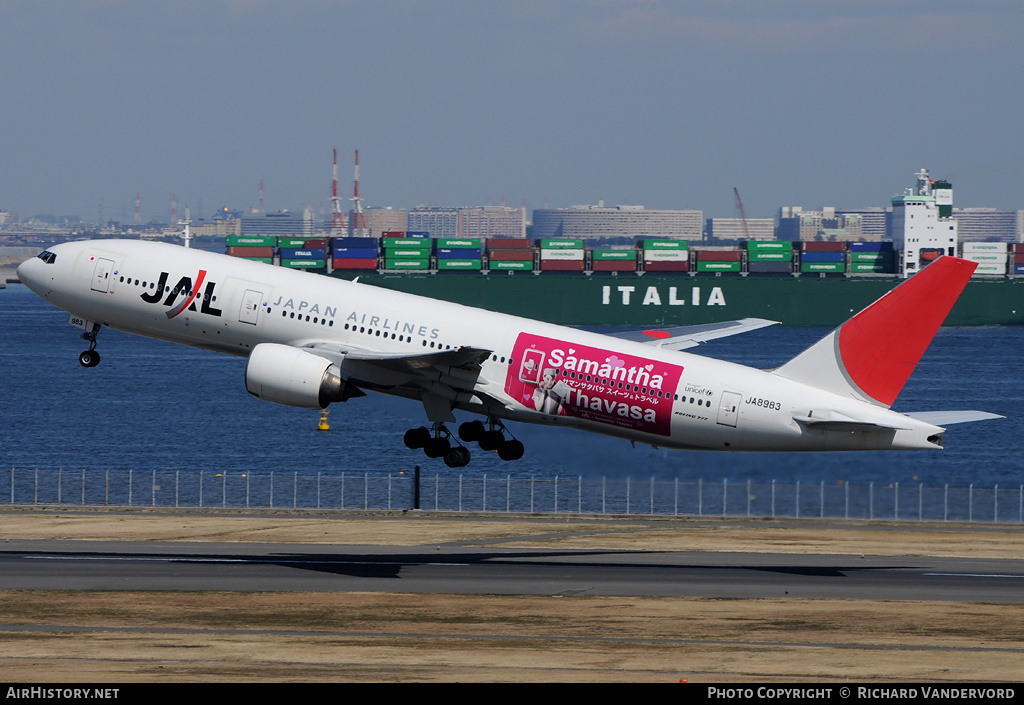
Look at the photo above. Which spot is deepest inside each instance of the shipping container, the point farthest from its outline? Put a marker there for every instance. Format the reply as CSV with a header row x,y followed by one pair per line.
x,y
872,256
251,251
394,233
666,255
511,266
407,263
460,264
567,254
364,242
614,265
647,245
769,246
681,265
467,253
562,244
719,256
828,256
509,243
990,270
880,246
510,255
420,234
622,255
261,260
250,241
355,263
982,247
303,263
770,267
391,243
406,252
826,246
355,252
987,257
1018,269
562,265
301,243
288,253
822,267
449,243
717,266
879,267
770,256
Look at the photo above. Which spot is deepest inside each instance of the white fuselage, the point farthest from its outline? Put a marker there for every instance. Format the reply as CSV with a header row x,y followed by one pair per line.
x,y
601,384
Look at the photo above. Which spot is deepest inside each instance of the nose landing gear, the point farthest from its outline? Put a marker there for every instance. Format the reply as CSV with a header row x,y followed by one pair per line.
x,y
90,358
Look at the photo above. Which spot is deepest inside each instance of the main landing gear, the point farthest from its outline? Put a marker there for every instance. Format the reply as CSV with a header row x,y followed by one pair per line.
x,y
491,437
438,443
90,358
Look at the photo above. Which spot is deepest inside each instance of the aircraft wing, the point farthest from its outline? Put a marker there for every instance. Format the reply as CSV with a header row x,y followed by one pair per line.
x,y
683,337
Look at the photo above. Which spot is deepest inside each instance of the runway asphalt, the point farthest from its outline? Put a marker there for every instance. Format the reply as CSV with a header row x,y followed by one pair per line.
x,y
187,566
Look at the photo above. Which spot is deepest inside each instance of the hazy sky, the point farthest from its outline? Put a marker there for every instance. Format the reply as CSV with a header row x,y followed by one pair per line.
x,y
542,102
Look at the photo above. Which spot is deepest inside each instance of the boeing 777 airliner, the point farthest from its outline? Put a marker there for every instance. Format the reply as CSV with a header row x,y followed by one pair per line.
x,y
312,340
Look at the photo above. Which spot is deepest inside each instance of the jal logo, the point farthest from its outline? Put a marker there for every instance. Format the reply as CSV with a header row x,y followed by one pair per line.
x,y
186,292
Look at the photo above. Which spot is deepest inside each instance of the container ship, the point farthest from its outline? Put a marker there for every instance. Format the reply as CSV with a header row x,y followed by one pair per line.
x,y
662,282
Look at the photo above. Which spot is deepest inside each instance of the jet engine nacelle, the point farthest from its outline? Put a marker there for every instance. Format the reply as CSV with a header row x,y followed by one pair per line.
x,y
294,377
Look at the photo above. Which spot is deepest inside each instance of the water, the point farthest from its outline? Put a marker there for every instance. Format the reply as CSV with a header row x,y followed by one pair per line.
x,y
157,406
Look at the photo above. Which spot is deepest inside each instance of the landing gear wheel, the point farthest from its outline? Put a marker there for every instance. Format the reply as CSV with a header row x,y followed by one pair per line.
x,y
89,358
491,440
437,447
472,431
511,450
457,457
416,437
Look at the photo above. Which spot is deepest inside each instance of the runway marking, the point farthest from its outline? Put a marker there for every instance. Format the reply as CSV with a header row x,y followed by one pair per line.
x,y
971,575
271,561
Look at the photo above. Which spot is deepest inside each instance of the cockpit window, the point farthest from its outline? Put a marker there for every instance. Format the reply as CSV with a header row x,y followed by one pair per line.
x,y
48,257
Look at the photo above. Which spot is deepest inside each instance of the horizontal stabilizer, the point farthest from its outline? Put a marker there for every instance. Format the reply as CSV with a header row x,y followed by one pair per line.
x,y
948,418
683,337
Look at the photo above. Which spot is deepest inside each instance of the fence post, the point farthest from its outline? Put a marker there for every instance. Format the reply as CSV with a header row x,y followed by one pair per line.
x,y
295,489
798,499
871,500
846,493
652,494
773,498
483,500
945,503
579,494
970,502
700,496
821,514
628,488
152,489
556,494
604,493
725,492
995,504
748,496
130,485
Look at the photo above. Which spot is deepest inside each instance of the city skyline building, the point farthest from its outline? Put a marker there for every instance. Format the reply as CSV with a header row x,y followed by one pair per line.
x,y
597,222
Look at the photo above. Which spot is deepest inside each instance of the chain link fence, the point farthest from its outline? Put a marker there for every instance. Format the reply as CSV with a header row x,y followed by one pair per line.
x,y
534,494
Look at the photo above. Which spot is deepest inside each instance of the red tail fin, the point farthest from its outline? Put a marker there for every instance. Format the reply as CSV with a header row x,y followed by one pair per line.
x,y
872,355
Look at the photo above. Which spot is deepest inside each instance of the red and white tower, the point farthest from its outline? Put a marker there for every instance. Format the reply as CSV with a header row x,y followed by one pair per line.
x,y
337,220
358,221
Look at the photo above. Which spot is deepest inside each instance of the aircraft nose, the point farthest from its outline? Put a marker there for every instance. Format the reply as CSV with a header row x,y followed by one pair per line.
x,y
30,274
